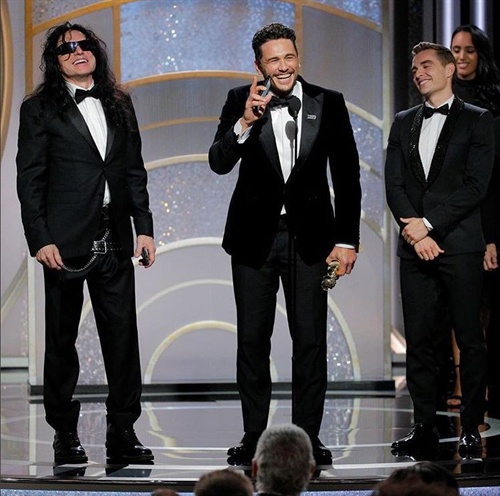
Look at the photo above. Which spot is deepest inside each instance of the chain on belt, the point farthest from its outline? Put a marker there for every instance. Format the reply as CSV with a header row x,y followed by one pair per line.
x,y
100,247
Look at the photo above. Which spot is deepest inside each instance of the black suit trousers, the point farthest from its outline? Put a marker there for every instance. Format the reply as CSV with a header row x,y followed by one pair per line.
x,y
111,287
306,304
433,293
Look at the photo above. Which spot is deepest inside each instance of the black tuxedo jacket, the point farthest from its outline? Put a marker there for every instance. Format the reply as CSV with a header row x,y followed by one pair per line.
x,y
61,178
261,191
449,198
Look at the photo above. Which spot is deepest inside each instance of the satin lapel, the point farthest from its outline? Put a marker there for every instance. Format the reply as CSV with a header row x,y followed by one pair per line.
x,y
415,160
78,121
312,109
444,139
268,141
111,137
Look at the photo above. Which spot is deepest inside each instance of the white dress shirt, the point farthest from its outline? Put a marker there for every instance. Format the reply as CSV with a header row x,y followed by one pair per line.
x,y
284,133
429,135
93,114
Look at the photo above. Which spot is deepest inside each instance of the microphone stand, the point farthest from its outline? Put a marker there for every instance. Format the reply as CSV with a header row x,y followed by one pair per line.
x,y
294,105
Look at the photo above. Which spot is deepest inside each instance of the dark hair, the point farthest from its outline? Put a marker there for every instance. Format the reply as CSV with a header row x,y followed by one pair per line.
x,y
487,73
225,482
444,53
273,31
422,478
115,100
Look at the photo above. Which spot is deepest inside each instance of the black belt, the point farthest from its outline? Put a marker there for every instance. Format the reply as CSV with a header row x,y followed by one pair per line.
x,y
101,247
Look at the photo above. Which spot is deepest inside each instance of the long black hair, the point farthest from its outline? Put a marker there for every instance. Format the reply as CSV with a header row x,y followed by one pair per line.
x,y
487,73
115,100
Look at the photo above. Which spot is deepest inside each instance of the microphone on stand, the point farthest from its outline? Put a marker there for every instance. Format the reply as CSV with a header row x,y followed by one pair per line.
x,y
294,105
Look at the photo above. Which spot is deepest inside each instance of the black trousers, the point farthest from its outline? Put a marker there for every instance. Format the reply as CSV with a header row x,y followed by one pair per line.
x,y
453,283
111,287
306,304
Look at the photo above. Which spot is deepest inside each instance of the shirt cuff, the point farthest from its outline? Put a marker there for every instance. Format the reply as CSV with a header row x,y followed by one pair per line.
x,y
428,225
345,245
242,137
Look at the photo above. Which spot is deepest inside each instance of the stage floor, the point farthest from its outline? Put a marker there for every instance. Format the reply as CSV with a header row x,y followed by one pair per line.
x,y
190,436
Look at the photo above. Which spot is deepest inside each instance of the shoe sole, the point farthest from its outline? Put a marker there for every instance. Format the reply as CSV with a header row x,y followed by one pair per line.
x,y
73,459
129,459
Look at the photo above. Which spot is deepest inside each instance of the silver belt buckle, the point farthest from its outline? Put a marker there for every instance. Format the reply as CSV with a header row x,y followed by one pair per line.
x,y
100,247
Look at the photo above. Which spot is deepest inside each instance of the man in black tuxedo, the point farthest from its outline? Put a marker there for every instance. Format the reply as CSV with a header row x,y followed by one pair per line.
x,y
81,178
439,160
284,462
281,225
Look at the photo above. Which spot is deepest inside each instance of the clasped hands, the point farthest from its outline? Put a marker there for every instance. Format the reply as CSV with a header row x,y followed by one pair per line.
x,y
416,234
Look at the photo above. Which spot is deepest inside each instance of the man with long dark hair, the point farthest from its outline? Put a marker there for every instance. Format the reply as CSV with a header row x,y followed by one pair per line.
x,y
81,178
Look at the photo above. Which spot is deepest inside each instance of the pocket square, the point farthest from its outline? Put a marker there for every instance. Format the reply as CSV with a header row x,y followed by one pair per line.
x,y
311,117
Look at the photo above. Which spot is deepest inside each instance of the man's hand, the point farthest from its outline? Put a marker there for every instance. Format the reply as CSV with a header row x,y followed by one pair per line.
x,y
147,242
49,256
415,230
345,256
255,105
490,261
427,249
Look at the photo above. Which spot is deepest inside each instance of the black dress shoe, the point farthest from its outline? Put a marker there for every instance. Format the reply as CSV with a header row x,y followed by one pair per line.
x,y
123,445
242,453
421,438
470,442
322,455
68,449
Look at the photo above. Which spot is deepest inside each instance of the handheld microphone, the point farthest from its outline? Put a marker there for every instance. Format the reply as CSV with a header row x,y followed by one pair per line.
x,y
267,84
294,106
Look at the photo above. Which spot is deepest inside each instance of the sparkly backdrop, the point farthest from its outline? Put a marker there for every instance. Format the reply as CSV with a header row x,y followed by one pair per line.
x,y
179,59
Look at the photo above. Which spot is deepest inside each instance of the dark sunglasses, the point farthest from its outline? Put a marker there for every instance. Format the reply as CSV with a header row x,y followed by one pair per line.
x,y
71,46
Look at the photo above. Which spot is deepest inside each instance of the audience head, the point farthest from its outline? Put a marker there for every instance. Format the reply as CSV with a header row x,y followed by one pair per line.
x,y
283,462
225,482
422,478
164,492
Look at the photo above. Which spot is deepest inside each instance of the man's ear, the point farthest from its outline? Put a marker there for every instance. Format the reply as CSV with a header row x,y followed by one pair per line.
x,y
255,469
312,469
257,67
450,69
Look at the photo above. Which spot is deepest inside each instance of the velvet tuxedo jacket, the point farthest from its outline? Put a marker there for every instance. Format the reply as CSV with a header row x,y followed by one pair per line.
x,y
449,198
61,181
260,192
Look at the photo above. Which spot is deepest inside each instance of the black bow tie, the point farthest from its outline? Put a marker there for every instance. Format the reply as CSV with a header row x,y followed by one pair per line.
x,y
429,111
276,101
82,94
